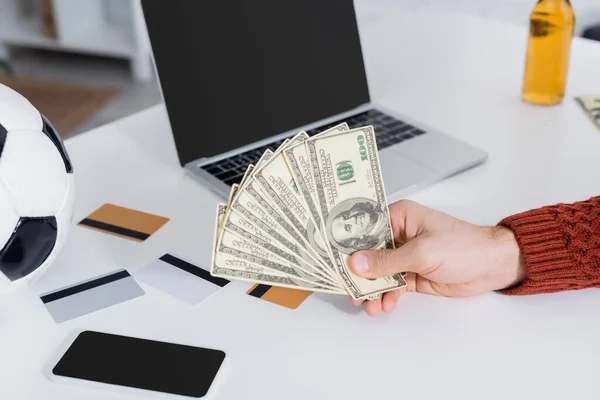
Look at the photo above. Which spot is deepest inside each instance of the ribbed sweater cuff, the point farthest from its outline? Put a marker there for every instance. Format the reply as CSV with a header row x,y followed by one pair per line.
x,y
549,267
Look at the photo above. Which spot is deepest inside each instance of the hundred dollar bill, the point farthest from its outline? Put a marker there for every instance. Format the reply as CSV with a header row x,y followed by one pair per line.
x,y
255,214
265,224
353,204
239,247
296,158
287,263
230,267
283,260
281,191
220,218
254,205
591,105
239,243
248,173
232,244
251,197
246,206
235,223
263,217
220,214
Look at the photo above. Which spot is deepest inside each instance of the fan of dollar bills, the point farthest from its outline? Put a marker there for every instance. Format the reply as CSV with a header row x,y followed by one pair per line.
x,y
302,210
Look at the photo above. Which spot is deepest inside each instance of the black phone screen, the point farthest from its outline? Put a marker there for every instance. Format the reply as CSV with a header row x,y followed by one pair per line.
x,y
141,363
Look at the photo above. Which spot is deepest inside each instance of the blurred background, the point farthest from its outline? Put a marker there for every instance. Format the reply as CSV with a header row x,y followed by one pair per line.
x,y
85,63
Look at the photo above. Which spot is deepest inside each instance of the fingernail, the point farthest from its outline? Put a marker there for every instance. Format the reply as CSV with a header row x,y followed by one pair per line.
x,y
360,264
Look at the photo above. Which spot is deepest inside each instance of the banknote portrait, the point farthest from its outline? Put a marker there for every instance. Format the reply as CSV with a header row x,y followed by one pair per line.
x,y
357,224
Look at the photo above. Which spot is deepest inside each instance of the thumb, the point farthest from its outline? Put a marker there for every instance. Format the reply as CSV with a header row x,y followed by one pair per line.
x,y
380,263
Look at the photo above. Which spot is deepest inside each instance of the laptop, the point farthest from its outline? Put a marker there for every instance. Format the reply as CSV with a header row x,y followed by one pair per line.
x,y
239,77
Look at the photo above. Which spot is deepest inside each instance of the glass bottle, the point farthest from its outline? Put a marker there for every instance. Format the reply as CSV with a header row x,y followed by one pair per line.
x,y
552,24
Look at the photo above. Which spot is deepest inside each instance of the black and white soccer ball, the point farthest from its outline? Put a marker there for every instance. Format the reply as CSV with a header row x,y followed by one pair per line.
x,y
36,191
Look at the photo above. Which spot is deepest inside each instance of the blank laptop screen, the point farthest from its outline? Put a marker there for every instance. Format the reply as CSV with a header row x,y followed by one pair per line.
x,y
237,71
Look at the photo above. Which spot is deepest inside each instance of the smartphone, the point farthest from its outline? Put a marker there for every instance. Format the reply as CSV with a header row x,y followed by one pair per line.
x,y
140,364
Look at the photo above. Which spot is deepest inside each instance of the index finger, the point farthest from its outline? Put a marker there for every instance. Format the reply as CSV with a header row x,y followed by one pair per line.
x,y
407,219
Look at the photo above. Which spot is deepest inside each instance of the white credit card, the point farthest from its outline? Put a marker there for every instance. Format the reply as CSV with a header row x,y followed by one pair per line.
x,y
91,295
180,278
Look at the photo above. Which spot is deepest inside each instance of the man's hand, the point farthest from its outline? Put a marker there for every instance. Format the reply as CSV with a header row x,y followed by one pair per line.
x,y
442,256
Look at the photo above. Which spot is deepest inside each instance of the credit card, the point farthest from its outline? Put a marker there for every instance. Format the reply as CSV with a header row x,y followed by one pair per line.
x,y
180,278
91,295
287,297
124,222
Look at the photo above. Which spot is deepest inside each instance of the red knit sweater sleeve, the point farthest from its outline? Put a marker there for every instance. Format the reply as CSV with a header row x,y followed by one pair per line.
x,y
560,246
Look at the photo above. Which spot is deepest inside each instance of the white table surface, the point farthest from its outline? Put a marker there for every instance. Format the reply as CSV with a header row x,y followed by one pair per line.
x,y
458,74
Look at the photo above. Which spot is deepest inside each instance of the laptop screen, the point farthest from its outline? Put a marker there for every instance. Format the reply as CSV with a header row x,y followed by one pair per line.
x,y
238,71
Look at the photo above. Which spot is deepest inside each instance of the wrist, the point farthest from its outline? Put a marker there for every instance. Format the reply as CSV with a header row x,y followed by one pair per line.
x,y
507,260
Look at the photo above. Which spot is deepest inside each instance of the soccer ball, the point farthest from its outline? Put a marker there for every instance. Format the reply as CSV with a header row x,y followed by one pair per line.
x,y
36,191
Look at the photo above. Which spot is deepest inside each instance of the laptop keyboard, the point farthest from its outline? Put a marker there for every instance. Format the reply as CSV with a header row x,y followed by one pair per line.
x,y
388,131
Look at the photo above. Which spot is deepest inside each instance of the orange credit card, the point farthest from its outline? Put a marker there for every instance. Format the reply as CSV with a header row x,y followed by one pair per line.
x,y
290,298
124,222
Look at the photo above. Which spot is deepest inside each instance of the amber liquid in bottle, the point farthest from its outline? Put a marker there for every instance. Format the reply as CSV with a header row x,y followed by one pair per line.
x,y
551,29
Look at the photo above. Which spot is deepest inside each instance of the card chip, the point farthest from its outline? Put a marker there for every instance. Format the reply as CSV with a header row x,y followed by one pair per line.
x,y
287,297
